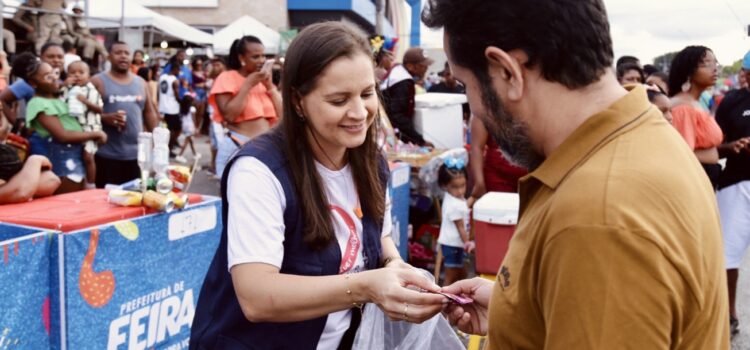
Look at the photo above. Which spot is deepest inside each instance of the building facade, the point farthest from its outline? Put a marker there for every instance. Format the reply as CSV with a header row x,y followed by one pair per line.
x,y
212,15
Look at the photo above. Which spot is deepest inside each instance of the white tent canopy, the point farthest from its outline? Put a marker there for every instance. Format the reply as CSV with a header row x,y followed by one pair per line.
x,y
242,26
107,14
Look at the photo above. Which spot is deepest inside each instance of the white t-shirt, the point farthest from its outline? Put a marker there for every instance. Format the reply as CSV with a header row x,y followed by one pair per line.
x,y
255,224
453,209
188,123
167,100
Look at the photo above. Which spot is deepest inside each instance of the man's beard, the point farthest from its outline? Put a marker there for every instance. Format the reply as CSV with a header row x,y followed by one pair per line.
x,y
511,135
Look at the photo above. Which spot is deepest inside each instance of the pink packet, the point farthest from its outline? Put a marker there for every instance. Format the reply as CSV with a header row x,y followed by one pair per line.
x,y
457,298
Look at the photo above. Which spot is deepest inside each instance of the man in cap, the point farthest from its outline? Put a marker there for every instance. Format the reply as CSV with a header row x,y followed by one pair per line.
x,y
87,43
733,116
399,91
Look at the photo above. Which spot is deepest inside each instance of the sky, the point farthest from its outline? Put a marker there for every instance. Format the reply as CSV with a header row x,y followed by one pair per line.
x,y
649,28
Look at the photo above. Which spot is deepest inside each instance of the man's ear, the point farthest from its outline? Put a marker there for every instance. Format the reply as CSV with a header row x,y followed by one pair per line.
x,y
508,67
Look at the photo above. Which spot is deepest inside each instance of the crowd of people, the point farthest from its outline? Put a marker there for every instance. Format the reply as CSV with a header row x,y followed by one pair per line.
x,y
617,166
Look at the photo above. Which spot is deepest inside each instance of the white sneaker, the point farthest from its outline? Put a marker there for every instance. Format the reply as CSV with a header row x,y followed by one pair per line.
x,y
181,159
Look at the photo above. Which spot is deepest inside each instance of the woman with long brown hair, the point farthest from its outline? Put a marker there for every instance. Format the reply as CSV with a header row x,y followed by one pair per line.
x,y
307,225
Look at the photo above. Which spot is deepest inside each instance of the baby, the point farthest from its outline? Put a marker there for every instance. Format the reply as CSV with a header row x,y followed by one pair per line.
x,y
85,104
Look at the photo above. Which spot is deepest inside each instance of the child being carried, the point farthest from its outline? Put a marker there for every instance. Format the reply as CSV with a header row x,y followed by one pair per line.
x,y
85,104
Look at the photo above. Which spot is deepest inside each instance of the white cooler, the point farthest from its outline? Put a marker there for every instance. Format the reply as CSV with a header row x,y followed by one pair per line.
x,y
439,118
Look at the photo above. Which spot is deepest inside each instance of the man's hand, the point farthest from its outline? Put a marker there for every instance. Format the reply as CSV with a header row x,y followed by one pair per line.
x,y
115,119
470,318
741,144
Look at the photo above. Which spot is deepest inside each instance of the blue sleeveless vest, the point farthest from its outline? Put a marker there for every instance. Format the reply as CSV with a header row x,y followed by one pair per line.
x,y
219,323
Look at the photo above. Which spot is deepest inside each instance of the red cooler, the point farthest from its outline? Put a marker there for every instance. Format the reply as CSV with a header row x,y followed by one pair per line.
x,y
495,217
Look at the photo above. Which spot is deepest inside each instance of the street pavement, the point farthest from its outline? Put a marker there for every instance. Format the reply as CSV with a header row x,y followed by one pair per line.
x,y
742,341
204,182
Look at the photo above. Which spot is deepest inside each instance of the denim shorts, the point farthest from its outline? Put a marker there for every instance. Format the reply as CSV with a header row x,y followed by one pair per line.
x,y
227,148
453,257
67,160
38,145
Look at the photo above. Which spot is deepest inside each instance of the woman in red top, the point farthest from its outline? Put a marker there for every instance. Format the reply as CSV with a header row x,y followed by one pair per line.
x,y
693,71
244,98
490,171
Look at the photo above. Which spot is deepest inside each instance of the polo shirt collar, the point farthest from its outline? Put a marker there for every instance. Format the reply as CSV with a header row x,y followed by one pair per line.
x,y
587,138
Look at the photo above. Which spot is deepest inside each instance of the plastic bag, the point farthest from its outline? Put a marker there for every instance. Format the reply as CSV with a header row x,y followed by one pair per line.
x,y
378,332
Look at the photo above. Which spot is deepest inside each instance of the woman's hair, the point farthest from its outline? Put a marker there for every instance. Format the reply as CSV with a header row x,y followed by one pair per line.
x,y
683,66
626,67
25,65
238,48
143,73
308,56
143,55
446,174
155,71
653,94
194,62
46,47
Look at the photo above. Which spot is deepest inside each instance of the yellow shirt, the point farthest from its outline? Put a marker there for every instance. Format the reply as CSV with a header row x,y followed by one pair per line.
x,y
618,244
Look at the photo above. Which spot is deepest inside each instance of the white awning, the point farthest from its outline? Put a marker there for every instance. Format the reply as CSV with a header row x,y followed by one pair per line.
x,y
107,13
242,26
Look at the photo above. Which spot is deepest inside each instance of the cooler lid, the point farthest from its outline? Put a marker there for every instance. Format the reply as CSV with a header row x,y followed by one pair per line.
x,y
497,208
438,100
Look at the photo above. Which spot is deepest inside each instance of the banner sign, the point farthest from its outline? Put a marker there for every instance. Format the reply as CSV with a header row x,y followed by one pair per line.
x,y
24,287
133,284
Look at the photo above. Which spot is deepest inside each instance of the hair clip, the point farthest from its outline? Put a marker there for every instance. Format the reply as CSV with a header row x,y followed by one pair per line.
x,y
454,163
376,42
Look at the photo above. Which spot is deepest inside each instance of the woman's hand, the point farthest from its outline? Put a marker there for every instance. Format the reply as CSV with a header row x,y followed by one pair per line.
x,y
470,318
99,137
257,78
397,291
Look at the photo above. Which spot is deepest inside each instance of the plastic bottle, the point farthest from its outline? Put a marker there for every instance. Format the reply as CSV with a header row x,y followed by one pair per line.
x,y
160,159
145,144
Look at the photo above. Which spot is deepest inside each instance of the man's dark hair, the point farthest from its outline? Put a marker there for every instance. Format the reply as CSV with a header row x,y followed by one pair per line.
x,y
626,67
112,45
683,66
627,59
568,40
660,74
67,46
650,69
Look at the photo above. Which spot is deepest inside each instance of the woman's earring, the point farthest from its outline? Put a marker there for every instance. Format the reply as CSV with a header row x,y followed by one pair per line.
x,y
301,116
686,86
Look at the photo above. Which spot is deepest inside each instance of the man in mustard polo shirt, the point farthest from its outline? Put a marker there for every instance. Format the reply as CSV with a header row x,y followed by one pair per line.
x,y
618,243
